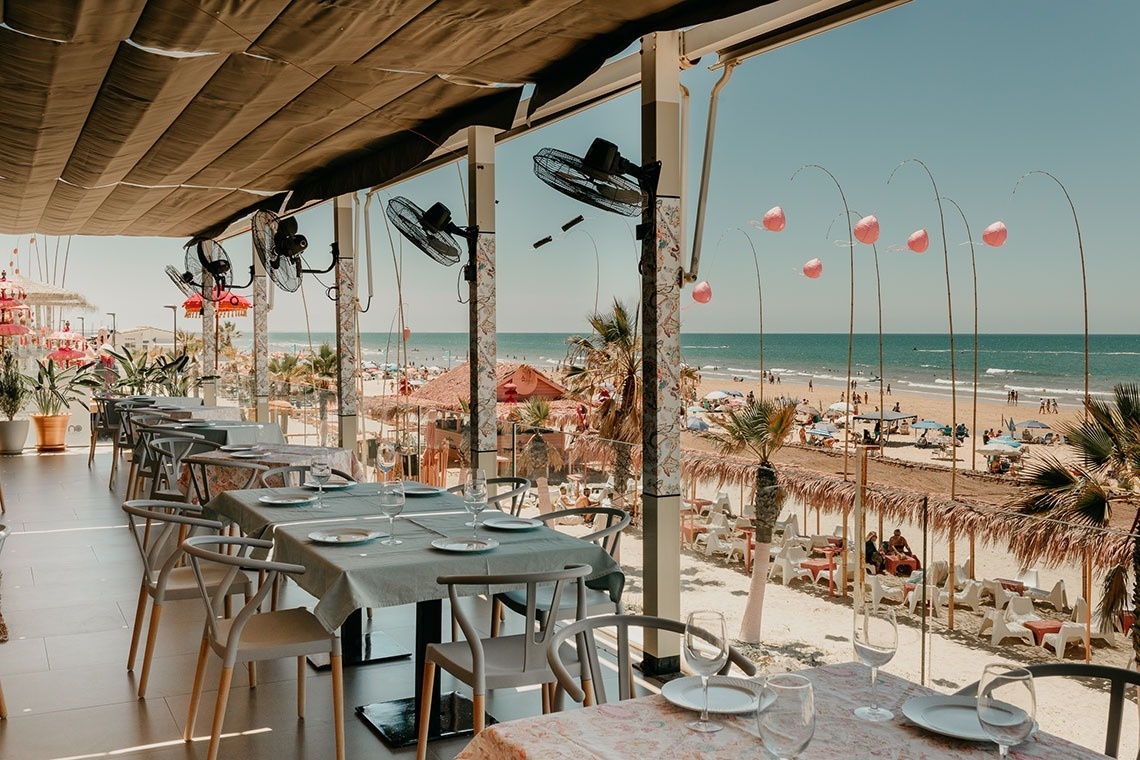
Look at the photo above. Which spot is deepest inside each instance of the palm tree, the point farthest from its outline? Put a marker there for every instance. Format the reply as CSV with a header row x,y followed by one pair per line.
x,y
284,370
226,336
1106,472
759,429
189,343
536,457
323,369
606,366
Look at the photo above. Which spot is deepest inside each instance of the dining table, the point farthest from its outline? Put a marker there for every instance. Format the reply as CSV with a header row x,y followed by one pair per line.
x,y
345,578
220,478
652,727
227,432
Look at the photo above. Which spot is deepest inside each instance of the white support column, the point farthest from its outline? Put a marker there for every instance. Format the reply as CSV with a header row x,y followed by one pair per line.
x,y
209,344
481,214
345,323
260,338
661,344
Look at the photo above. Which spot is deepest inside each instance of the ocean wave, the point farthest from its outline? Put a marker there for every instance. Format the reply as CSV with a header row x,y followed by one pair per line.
x,y
1000,371
695,347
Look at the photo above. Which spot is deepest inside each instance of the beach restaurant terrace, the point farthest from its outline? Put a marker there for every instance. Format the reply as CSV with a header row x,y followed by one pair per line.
x,y
180,119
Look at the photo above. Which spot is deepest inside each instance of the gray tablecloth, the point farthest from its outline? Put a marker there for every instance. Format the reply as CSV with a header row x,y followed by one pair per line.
x,y
223,431
346,578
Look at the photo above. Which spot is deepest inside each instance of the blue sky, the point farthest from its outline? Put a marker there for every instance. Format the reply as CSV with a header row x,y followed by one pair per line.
x,y
981,91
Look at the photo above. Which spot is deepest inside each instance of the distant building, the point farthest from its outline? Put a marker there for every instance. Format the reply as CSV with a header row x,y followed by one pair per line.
x,y
145,338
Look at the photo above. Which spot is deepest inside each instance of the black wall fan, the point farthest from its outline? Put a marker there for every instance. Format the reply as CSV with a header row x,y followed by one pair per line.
x,y
433,232
281,248
205,257
180,280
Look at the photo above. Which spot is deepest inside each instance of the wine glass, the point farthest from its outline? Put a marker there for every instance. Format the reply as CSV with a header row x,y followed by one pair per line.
x,y
876,639
392,504
706,652
320,470
475,497
1006,704
386,457
788,724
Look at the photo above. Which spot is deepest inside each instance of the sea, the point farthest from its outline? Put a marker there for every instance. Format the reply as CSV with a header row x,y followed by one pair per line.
x,y
1033,365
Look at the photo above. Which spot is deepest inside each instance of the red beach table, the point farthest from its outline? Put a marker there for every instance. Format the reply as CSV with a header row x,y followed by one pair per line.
x,y
817,566
1042,627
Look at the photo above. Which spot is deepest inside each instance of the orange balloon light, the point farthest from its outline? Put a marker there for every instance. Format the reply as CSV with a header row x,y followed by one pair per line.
x,y
702,293
867,230
813,269
995,234
407,333
774,220
918,241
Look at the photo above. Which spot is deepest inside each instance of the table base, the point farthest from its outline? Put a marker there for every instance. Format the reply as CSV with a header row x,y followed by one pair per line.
x,y
374,647
395,721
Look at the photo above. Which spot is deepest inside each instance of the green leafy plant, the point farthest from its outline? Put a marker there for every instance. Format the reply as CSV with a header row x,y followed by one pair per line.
x,y
13,386
55,388
135,370
173,375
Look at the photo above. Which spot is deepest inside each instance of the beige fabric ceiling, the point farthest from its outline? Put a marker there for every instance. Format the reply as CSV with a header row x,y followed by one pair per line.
x,y
174,117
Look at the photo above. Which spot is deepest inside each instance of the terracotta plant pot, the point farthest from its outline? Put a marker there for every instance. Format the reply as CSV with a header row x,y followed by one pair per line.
x,y
13,435
51,431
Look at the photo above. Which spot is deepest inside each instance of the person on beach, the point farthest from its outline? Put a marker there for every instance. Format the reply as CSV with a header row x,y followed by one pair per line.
x,y
872,556
898,543
564,500
888,389
810,388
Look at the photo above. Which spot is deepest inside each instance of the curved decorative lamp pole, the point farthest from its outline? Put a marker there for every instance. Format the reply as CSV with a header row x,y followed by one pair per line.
x,y
773,221
974,272
1084,281
851,313
566,230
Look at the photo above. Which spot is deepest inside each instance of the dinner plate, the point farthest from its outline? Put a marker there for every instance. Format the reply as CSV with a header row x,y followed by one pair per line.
x,y
465,545
238,447
196,424
284,500
345,535
955,716
511,523
332,485
728,695
419,489
248,454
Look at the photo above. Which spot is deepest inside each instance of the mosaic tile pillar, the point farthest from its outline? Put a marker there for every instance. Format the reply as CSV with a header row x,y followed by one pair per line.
x,y
346,395
481,213
260,338
209,344
661,345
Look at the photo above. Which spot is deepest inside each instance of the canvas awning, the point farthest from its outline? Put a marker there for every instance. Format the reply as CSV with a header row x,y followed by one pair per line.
x,y
171,118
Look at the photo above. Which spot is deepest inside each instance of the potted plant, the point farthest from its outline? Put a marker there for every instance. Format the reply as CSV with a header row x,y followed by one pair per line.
x,y
13,393
53,390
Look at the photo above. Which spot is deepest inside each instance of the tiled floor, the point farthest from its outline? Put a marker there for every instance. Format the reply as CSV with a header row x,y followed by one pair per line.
x,y
70,584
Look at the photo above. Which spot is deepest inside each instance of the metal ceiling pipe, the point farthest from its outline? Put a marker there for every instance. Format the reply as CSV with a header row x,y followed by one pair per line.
x,y
706,170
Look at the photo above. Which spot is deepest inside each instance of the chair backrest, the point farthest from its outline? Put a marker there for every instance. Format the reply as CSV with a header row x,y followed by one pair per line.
x,y
292,476
5,531
1030,578
232,552
535,640
1019,608
795,553
158,528
608,536
199,475
1080,610
1118,678
509,499
583,631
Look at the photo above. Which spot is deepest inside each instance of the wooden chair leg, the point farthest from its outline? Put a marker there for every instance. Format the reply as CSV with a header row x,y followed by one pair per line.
x,y
219,713
301,687
3,706
91,453
337,663
496,616
140,612
196,690
425,710
148,652
252,667
546,699
479,708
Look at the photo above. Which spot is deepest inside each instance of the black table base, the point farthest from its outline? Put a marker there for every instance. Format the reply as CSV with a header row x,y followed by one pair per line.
x,y
395,721
362,647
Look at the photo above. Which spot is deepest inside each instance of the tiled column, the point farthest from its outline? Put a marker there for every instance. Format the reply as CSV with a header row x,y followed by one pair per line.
x,y
260,338
481,213
209,344
345,322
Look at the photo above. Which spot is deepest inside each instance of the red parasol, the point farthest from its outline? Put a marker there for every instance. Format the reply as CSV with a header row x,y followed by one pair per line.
x,y
8,329
225,303
67,355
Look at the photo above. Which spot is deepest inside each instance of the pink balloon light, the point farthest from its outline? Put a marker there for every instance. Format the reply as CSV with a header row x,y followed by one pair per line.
x,y
702,293
774,220
867,230
995,234
918,241
813,269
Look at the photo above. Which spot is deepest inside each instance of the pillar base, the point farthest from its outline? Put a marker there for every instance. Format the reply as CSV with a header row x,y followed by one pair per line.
x,y
661,666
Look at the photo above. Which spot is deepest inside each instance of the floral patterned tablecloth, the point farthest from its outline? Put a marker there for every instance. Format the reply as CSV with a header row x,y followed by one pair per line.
x,y
650,728
222,478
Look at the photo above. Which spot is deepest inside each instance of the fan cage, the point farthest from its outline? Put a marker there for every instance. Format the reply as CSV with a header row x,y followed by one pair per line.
x,y
565,173
407,217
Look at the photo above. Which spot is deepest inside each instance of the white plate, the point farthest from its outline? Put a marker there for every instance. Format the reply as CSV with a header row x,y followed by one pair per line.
x,y
248,454
727,695
511,523
286,501
955,716
345,535
332,485
466,545
238,447
419,489
196,424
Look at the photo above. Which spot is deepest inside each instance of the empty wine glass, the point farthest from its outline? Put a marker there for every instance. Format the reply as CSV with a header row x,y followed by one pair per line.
x,y
1007,703
706,652
386,457
876,638
475,497
788,724
391,504
320,470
